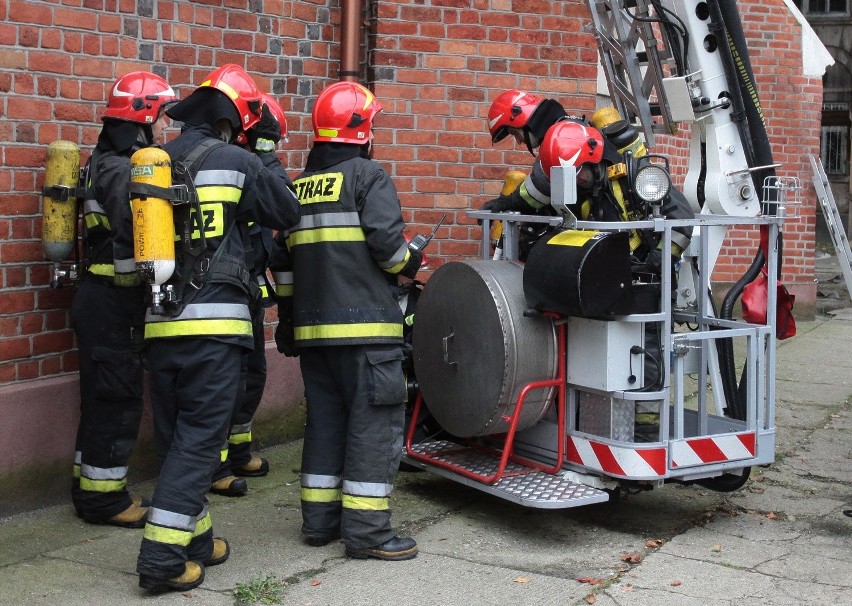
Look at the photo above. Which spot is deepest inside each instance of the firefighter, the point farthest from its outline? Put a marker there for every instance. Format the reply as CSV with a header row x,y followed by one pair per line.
x,y
540,124
196,344
346,325
109,307
601,199
238,462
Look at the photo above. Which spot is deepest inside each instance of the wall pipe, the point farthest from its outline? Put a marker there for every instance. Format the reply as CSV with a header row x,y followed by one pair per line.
x,y
350,40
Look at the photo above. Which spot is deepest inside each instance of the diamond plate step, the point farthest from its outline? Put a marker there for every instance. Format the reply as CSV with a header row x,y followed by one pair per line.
x,y
519,484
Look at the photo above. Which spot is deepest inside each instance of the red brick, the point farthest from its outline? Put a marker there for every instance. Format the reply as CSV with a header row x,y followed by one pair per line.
x,y
49,342
15,348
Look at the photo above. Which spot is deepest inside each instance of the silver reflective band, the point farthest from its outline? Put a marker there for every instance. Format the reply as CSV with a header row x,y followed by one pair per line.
x,y
367,489
311,480
161,517
219,177
202,311
349,219
398,257
102,473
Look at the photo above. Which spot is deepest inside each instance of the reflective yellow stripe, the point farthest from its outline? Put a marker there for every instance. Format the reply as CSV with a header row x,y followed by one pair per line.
x,y
170,536
191,328
219,193
326,234
223,455
396,268
102,485
102,269
75,472
94,220
320,495
125,280
239,438
340,331
204,524
366,503
284,290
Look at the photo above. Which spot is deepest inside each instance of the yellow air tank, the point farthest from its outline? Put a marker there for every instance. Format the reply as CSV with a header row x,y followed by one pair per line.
x,y
153,221
59,220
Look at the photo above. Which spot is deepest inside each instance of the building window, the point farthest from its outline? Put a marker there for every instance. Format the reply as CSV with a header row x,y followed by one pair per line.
x,y
825,7
833,149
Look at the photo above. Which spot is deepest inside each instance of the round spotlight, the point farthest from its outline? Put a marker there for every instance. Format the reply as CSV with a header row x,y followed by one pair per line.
x,y
652,183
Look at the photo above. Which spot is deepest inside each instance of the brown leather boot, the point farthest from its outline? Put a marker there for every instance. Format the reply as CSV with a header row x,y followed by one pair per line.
x,y
255,468
192,577
230,486
132,517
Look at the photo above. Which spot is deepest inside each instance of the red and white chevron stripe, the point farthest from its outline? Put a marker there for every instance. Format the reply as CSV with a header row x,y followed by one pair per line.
x,y
717,449
625,462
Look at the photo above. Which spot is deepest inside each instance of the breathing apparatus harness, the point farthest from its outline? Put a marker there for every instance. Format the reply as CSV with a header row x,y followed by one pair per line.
x,y
194,264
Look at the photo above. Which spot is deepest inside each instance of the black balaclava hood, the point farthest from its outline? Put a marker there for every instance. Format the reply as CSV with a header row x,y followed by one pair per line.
x,y
121,136
205,106
548,113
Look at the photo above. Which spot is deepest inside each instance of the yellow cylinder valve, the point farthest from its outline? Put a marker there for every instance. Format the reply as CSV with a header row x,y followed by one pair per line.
x,y
153,221
59,217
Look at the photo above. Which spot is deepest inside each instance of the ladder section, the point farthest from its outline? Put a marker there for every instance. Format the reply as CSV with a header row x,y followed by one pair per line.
x,y
633,57
832,220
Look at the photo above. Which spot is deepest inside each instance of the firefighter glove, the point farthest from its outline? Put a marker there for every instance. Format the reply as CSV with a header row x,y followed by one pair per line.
x,y
285,340
512,202
410,269
263,136
654,261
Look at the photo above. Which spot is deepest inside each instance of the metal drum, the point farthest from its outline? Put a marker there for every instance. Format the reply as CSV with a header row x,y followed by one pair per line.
x,y
474,350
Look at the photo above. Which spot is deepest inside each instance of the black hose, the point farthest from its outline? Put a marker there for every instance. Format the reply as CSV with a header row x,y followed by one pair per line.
x,y
725,20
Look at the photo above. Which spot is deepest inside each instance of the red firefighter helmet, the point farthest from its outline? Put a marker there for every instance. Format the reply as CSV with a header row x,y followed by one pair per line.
x,y
344,113
235,82
511,109
570,143
242,107
277,112
138,97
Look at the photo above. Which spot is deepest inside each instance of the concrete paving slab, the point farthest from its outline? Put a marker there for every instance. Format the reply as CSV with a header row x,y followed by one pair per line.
x,y
476,549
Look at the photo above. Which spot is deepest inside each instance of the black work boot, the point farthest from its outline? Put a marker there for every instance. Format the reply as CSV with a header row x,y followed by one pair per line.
x,y
397,548
230,486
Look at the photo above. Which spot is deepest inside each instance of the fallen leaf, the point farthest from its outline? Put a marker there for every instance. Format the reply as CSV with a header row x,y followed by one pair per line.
x,y
759,479
521,580
654,543
631,558
590,580
716,548
315,582
771,515
623,569
591,599
629,587
757,490
677,583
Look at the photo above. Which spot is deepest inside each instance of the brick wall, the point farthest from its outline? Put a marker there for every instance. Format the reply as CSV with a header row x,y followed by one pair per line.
x,y
435,66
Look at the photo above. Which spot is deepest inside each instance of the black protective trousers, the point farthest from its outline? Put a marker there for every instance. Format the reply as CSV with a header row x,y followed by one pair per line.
x,y
252,384
104,318
353,441
193,383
